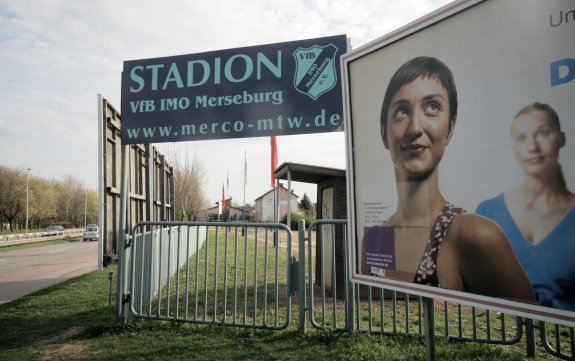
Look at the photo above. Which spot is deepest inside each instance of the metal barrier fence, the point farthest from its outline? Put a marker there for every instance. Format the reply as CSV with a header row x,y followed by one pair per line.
x,y
244,274
382,311
564,337
232,274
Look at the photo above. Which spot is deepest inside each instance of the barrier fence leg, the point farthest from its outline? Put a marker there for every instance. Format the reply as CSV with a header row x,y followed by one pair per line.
x,y
350,304
301,273
530,337
349,289
429,319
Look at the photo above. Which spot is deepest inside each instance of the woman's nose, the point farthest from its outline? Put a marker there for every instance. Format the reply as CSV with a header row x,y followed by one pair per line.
x,y
414,129
532,144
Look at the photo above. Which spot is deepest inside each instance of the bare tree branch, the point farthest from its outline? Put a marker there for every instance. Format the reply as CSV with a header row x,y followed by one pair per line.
x,y
189,181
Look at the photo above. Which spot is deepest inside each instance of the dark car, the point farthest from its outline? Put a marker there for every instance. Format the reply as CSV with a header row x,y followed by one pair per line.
x,y
51,231
54,231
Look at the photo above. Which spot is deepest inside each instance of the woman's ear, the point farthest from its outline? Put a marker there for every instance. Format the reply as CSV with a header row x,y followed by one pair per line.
x,y
562,140
384,137
450,131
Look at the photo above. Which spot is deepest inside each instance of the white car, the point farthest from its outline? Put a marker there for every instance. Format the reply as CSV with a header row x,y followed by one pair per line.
x,y
91,234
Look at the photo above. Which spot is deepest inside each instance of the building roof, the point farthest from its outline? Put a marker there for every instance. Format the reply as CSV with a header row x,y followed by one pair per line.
x,y
227,207
307,173
271,190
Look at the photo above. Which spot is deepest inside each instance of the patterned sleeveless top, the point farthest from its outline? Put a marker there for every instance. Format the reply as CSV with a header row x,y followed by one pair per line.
x,y
427,271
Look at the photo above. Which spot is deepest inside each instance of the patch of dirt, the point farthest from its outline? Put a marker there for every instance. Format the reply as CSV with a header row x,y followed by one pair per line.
x,y
68,333
70,349
66,350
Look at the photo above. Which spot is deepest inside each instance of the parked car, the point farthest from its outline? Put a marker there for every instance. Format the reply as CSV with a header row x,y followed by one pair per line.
x,y
51,231
91,234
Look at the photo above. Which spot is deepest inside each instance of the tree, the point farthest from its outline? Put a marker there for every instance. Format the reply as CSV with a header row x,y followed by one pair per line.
x,y
42,202
49,201
12,195
92,209
189,180
71,199
305,205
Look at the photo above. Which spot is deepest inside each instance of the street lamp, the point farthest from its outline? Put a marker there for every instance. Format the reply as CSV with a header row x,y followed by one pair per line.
x,y
27,174
86,207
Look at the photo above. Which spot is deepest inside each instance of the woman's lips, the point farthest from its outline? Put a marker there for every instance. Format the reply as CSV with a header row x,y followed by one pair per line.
x,y
414,149
534,160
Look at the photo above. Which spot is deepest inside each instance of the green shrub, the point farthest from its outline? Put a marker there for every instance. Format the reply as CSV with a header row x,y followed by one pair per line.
x,y
296,217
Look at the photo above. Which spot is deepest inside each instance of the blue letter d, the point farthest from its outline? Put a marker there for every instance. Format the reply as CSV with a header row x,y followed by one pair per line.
x,y
556,78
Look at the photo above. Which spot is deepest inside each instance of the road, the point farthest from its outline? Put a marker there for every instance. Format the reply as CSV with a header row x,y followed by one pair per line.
x,y
24,271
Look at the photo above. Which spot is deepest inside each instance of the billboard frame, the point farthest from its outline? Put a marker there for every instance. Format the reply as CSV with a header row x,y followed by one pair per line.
x,y
512,307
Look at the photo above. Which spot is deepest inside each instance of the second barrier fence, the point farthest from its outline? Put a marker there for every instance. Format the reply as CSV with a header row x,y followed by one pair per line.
x,y
248,274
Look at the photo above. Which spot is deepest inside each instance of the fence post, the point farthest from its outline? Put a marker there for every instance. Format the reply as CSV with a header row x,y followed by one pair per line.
x,y
350,304
301,273
349,286
429,319
529,337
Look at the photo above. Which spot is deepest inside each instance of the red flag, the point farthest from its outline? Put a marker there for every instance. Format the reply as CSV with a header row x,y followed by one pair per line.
x,y
223,198
274,161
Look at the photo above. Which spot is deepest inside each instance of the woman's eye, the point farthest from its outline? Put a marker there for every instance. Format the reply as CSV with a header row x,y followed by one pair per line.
x,y
432,108
400,113
520,138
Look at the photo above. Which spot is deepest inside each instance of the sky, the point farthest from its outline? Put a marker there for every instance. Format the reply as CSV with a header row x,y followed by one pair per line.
x,y
56,56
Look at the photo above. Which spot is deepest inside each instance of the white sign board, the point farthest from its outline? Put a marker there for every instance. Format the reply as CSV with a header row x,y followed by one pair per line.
x,y
460,147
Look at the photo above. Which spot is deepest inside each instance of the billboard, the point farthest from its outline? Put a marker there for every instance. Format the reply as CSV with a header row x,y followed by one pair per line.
x,y
459,136
277,89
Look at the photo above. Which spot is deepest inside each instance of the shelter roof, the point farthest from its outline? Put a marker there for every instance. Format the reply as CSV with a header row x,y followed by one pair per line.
x,y
307,173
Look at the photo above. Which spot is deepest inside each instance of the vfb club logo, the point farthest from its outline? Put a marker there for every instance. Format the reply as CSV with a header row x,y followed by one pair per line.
x,y
315,70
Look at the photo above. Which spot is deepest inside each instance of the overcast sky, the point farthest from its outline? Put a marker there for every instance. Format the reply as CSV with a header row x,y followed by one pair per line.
x,y
56,56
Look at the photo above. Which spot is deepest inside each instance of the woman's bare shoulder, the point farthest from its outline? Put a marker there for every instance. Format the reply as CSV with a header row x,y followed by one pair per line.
x,y
485,259
474,231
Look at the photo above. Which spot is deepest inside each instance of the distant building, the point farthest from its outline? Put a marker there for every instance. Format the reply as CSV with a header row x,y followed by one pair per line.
x,y
264,209
230,213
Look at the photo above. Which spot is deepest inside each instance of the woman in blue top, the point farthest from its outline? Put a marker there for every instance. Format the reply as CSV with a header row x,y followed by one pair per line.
x,y
538,217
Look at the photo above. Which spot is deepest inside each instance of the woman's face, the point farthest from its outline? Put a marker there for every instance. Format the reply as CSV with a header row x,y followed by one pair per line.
x,y
536,142
418,128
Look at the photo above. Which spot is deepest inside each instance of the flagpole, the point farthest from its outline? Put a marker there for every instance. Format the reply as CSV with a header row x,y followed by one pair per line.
x,y
228,184
223,203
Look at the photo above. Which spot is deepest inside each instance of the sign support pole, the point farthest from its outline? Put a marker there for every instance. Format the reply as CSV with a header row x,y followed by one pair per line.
x,y
121,305
429,322
101,193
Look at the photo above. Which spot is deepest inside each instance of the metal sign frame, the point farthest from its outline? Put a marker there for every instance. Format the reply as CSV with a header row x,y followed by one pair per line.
x,y
494,80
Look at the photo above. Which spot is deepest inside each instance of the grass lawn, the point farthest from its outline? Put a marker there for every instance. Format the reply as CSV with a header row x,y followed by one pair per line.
x,y
73,321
